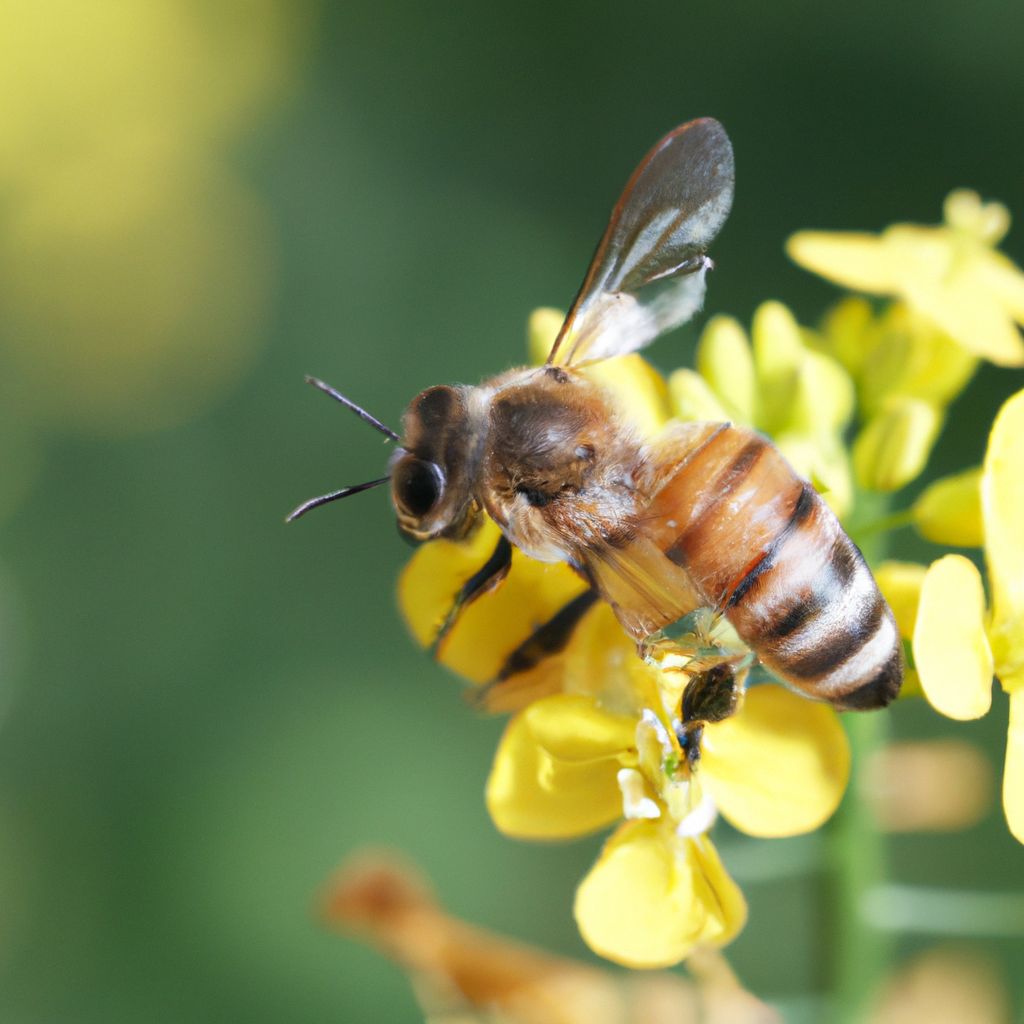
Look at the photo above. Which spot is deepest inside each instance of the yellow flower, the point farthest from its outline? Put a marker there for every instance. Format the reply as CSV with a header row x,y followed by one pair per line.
x,y
136,263
566,766
950,274
893,447
902,355
957,644
906,373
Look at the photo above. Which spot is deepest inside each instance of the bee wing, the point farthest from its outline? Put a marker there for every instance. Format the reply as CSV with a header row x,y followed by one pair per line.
x,y
645,589
647,275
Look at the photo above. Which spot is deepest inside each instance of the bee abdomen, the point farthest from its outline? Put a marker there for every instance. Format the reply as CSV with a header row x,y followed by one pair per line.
x,y
812,612
763,548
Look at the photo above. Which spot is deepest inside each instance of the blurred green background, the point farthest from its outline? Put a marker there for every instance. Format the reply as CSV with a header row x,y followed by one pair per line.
x,y
201,711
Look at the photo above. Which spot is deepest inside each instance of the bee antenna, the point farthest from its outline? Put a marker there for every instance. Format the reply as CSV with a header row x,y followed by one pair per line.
x,y
333,496
357,409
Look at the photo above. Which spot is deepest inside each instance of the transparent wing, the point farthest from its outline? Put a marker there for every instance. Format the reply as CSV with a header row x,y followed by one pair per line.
x,y
646,590
647,275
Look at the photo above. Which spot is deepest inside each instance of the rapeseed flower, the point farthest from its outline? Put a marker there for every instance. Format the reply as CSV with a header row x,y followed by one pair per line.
x,y
951,274
959,643
906,373
567,766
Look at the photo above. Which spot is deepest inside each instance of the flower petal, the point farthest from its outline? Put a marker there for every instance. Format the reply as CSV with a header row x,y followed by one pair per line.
x,y
722,898
948,511
651,897
1002,503
1013,775
575,728
824,398
806,749
1005,280
853,259
849,334
964,210
494,625
962,307
533,795
949,274
434,575
831,473
951,652
601,661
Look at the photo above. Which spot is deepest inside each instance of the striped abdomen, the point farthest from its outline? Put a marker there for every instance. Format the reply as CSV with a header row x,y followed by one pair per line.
x,y
763,548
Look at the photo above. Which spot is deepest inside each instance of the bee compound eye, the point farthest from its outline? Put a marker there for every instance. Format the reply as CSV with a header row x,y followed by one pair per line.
x,y
418,486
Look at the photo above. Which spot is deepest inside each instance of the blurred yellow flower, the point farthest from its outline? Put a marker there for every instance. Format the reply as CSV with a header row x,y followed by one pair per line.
x,y
135,263
957,645
906,373
893,447
900,583
950,274
901,355
948,510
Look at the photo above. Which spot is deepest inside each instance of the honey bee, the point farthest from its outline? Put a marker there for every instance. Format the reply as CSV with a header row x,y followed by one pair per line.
x,y
706,516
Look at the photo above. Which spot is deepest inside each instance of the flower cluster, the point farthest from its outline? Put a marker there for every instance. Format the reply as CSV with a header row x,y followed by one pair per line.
x,y
856,405
957,300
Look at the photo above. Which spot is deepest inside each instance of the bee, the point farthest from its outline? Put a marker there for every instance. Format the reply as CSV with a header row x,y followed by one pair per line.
x,y
707,516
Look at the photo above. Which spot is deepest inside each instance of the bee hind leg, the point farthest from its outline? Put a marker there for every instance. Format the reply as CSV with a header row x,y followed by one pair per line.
x,y
713,693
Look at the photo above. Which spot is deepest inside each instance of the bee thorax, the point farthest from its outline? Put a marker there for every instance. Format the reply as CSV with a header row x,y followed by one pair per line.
x,y
557,472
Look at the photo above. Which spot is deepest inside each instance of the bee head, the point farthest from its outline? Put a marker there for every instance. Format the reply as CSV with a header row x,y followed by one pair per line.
x,y
431,470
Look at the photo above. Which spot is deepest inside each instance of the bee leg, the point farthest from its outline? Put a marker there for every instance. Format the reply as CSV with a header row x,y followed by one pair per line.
x,y
711,695
686,638
689,736
490,575
657,650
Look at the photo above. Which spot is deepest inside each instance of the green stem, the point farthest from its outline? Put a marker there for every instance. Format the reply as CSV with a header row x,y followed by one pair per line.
x,y
892,521
863,952
859,857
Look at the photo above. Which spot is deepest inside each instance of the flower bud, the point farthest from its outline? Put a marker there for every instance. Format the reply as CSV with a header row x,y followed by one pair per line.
x,y
726,362
948,511
893,448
